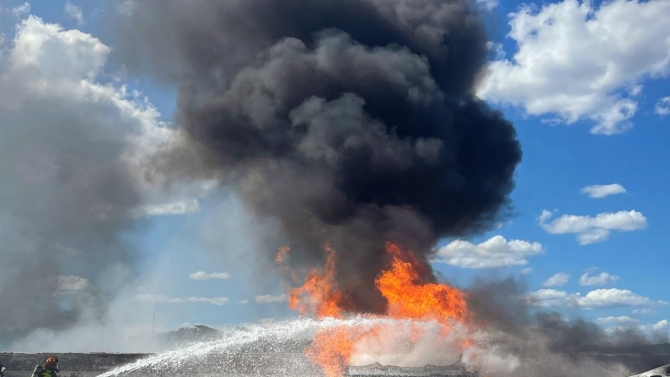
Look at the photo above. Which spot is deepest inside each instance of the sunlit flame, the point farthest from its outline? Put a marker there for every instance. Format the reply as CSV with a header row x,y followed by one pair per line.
x,y
319,296
409,299
402,287
281,255
281,258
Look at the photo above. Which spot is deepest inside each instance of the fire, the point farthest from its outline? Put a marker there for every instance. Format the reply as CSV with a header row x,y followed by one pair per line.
x,y
407,296
407,299
331,349
280,259
281,255
319,294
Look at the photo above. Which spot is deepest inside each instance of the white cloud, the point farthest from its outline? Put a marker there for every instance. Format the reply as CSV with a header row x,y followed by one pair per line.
x,y
178,207
644,311
243,302
526,271
618,321
663,106
591,230
72,284
49,62
575,60
163,299
18,11
57,53
74,12
651,329
202,275
550,298
495,252
488,4
157,299
599,298
219,301
601,191
662,325
266,299
613,297
557,280
635,90
601,279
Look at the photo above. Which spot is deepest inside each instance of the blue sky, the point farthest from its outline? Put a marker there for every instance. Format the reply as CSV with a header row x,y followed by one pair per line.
x,y
576,127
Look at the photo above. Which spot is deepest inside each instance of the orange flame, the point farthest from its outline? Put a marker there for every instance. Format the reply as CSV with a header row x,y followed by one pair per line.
x,y
280,258
281,255
319,295
400,285
408,299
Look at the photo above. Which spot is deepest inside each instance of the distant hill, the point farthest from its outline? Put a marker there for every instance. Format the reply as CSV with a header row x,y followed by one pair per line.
x,y
188,334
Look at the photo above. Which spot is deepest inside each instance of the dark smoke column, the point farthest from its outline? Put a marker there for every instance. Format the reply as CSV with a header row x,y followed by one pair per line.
x,y
351,121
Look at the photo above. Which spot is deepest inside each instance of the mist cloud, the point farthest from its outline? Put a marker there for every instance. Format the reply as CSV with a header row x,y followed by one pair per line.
x,y
69,190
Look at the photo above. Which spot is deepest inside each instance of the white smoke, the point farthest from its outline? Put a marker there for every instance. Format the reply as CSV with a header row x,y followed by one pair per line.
x,y
490,353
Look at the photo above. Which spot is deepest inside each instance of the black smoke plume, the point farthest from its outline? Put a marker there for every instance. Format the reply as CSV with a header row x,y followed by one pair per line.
x,y
353,122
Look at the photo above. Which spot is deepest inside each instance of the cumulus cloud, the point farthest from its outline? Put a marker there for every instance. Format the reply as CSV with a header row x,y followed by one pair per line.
x,y
644,311
663,106
74,12
635,90
591,230
66,56
178,207
163,299
495,252
157,299
488,4
202,275
267,299
601,279
602,191
243,302
72,284
613,297
618,321
70,179
18,11
599,298
550,298
662,325
526,270
571,62
219,301
557,280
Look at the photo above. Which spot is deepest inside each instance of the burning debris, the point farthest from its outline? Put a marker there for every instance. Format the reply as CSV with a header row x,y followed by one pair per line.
x,y
428,371
429,304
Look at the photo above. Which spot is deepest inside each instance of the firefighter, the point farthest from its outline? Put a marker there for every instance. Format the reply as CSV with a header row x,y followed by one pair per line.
x,y
50,368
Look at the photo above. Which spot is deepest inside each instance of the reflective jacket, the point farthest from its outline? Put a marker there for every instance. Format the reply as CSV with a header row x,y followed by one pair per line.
x,y
49,372
41,371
